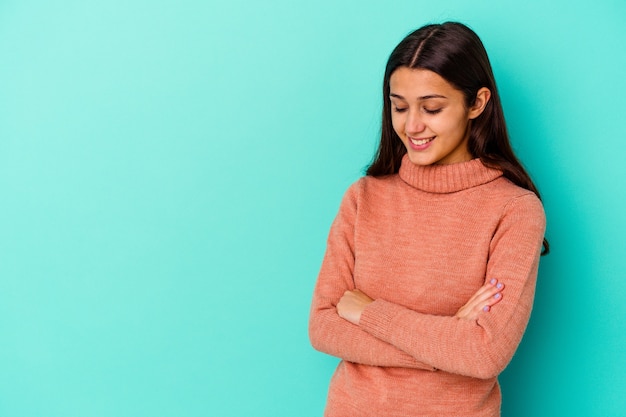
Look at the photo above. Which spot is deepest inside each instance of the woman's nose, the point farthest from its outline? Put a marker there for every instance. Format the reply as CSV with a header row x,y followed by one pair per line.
x,y
414,123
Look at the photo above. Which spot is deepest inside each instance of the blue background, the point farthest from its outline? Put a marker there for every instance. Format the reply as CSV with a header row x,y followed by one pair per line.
x,y
169,171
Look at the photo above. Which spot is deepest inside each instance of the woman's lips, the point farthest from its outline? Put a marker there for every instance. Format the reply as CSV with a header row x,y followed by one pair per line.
x,y
419,144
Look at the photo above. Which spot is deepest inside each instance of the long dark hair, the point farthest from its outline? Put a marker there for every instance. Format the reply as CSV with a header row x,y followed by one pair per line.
x,y
457,54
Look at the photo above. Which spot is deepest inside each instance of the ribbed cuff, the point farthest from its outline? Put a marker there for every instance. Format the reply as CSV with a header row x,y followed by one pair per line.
x,y
377,320
377,317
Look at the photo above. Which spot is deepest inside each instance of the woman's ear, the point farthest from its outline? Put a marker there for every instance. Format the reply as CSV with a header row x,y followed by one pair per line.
x,y
482,98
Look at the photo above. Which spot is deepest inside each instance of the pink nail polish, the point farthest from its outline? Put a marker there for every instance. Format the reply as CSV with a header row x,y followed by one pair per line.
x,y
493,281
486,308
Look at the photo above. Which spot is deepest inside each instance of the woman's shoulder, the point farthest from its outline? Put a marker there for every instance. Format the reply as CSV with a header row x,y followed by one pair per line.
x,y
381,180
368,186
515,199
505,189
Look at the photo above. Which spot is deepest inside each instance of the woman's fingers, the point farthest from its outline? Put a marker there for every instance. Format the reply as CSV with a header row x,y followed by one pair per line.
x,y
488,295
352,304
482,301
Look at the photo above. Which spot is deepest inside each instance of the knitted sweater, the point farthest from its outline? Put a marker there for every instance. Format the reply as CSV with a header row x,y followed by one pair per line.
x,y
421,243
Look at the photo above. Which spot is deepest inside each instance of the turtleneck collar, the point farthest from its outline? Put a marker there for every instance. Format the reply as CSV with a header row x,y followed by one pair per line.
x,y
446,178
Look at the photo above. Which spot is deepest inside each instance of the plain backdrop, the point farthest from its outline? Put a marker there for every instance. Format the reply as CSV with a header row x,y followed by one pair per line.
x,y
169,171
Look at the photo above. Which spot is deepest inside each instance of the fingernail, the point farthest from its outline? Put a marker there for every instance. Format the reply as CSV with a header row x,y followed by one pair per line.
x,y
493,280
486,308
499,285
497,296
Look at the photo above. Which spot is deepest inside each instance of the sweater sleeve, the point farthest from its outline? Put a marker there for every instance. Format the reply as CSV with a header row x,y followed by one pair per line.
x,y
330,333
484,347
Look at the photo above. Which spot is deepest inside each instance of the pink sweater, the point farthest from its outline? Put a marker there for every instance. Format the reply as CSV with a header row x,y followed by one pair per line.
x,y
420,243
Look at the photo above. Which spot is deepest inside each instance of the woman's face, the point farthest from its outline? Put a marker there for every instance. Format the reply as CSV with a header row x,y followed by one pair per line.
x,y
430,116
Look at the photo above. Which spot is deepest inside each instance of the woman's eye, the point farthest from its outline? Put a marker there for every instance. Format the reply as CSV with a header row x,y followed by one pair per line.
x,y
399,109
432,111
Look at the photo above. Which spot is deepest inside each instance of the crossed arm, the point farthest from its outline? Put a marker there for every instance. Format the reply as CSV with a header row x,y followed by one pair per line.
x,y
353,302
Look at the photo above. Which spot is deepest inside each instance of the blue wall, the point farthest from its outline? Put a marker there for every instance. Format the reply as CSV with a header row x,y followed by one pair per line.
x,y
169,171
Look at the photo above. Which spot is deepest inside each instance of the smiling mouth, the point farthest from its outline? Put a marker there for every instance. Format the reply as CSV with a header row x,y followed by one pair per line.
x,y
420,142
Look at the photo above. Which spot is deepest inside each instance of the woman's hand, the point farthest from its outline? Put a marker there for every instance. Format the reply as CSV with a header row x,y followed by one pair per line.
x,y
482,301
352,304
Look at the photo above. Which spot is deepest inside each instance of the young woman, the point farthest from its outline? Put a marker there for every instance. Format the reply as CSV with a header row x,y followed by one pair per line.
x,y
428,280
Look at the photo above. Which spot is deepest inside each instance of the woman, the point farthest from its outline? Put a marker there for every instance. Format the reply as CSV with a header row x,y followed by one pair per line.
x,y
428,280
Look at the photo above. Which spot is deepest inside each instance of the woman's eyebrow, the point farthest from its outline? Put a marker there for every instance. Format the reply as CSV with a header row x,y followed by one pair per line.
x,y
431,96
426,97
